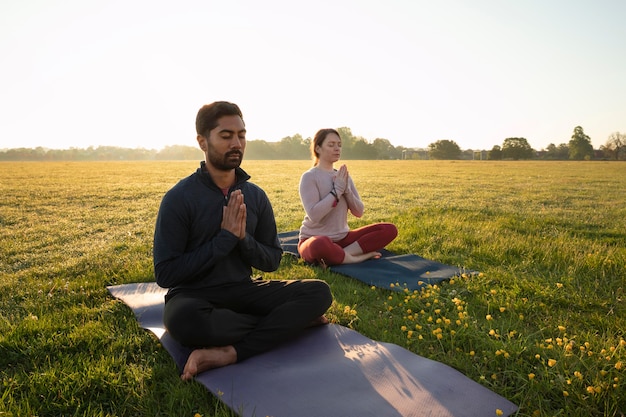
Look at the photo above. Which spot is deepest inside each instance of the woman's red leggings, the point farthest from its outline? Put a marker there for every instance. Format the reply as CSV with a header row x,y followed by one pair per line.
x,y
321,249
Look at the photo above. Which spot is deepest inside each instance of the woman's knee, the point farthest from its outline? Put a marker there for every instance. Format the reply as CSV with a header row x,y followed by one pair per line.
x,y
318,248
390,230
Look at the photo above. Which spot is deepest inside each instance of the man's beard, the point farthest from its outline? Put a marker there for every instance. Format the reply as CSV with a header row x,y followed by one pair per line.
x,y
226,163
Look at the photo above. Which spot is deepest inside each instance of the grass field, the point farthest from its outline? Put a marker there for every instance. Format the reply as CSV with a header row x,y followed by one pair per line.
x,y
543,324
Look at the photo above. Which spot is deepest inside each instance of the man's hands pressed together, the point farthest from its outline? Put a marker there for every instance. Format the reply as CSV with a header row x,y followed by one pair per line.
x,y
234,215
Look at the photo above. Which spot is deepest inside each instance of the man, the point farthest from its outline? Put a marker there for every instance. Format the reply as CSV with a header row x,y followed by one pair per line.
x,y
213,227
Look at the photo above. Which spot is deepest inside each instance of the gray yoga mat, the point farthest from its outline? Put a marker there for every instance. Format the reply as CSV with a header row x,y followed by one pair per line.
x,y
330,371
403,271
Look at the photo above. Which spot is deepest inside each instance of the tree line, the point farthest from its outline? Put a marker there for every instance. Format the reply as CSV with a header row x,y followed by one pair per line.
x,y
353,147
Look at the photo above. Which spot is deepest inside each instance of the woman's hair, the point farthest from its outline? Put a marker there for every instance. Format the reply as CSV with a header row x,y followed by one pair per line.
x,y
207,117
318,140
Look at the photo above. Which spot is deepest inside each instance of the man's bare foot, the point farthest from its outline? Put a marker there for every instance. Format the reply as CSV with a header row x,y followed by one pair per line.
x,y
321,320
354,259
202,360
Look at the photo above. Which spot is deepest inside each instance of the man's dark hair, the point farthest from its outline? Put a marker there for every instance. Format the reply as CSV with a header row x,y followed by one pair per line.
x,y
207,117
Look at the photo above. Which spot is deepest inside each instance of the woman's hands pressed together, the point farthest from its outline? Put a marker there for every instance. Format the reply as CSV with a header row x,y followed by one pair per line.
x,y
341,180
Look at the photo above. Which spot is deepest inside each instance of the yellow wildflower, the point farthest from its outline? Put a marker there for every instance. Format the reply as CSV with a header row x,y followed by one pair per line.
x,y
531,376
499,412
551,362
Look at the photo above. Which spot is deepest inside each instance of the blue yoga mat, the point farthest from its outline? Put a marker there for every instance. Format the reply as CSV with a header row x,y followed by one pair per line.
x,y
391,271
329,371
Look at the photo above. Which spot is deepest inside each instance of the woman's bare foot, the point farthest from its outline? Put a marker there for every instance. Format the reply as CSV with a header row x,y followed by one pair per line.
x,y
353,259
202,360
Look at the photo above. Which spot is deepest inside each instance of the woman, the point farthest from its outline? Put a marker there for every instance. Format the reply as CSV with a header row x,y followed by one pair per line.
x,y
327,194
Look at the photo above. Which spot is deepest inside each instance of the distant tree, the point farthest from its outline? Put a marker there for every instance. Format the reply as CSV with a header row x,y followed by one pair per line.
x,y
176,152
554,152
259,149
385,150
444,149
615,146
580,146
347,141
495,154
517,148
293,147
551,152
469,154
362,150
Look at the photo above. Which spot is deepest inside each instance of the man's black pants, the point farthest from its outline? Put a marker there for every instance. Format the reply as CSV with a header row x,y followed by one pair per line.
x,y
252,316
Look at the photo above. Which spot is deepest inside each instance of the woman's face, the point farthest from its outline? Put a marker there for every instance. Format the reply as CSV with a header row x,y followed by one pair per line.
x,y
330,149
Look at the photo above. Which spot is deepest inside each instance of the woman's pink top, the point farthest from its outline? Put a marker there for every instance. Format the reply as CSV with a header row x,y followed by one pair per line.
x,y
323,217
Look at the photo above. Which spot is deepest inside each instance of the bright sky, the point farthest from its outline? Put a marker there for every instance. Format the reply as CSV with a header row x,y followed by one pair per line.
x,y
133,73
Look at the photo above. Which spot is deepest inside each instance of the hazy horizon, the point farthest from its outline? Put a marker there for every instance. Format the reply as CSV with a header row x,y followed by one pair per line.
x,y
134,73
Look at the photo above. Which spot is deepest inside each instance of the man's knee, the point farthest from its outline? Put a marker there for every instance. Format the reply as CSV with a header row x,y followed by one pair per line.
x,y
184,319
321,290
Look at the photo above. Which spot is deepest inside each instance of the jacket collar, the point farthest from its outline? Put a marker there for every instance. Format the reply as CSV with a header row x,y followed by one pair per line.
x,y
241,176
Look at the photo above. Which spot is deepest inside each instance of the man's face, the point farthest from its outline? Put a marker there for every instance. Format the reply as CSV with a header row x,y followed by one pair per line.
x,y
225,145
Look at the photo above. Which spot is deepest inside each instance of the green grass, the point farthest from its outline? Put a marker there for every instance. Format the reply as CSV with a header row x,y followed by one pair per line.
x,y
543,324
